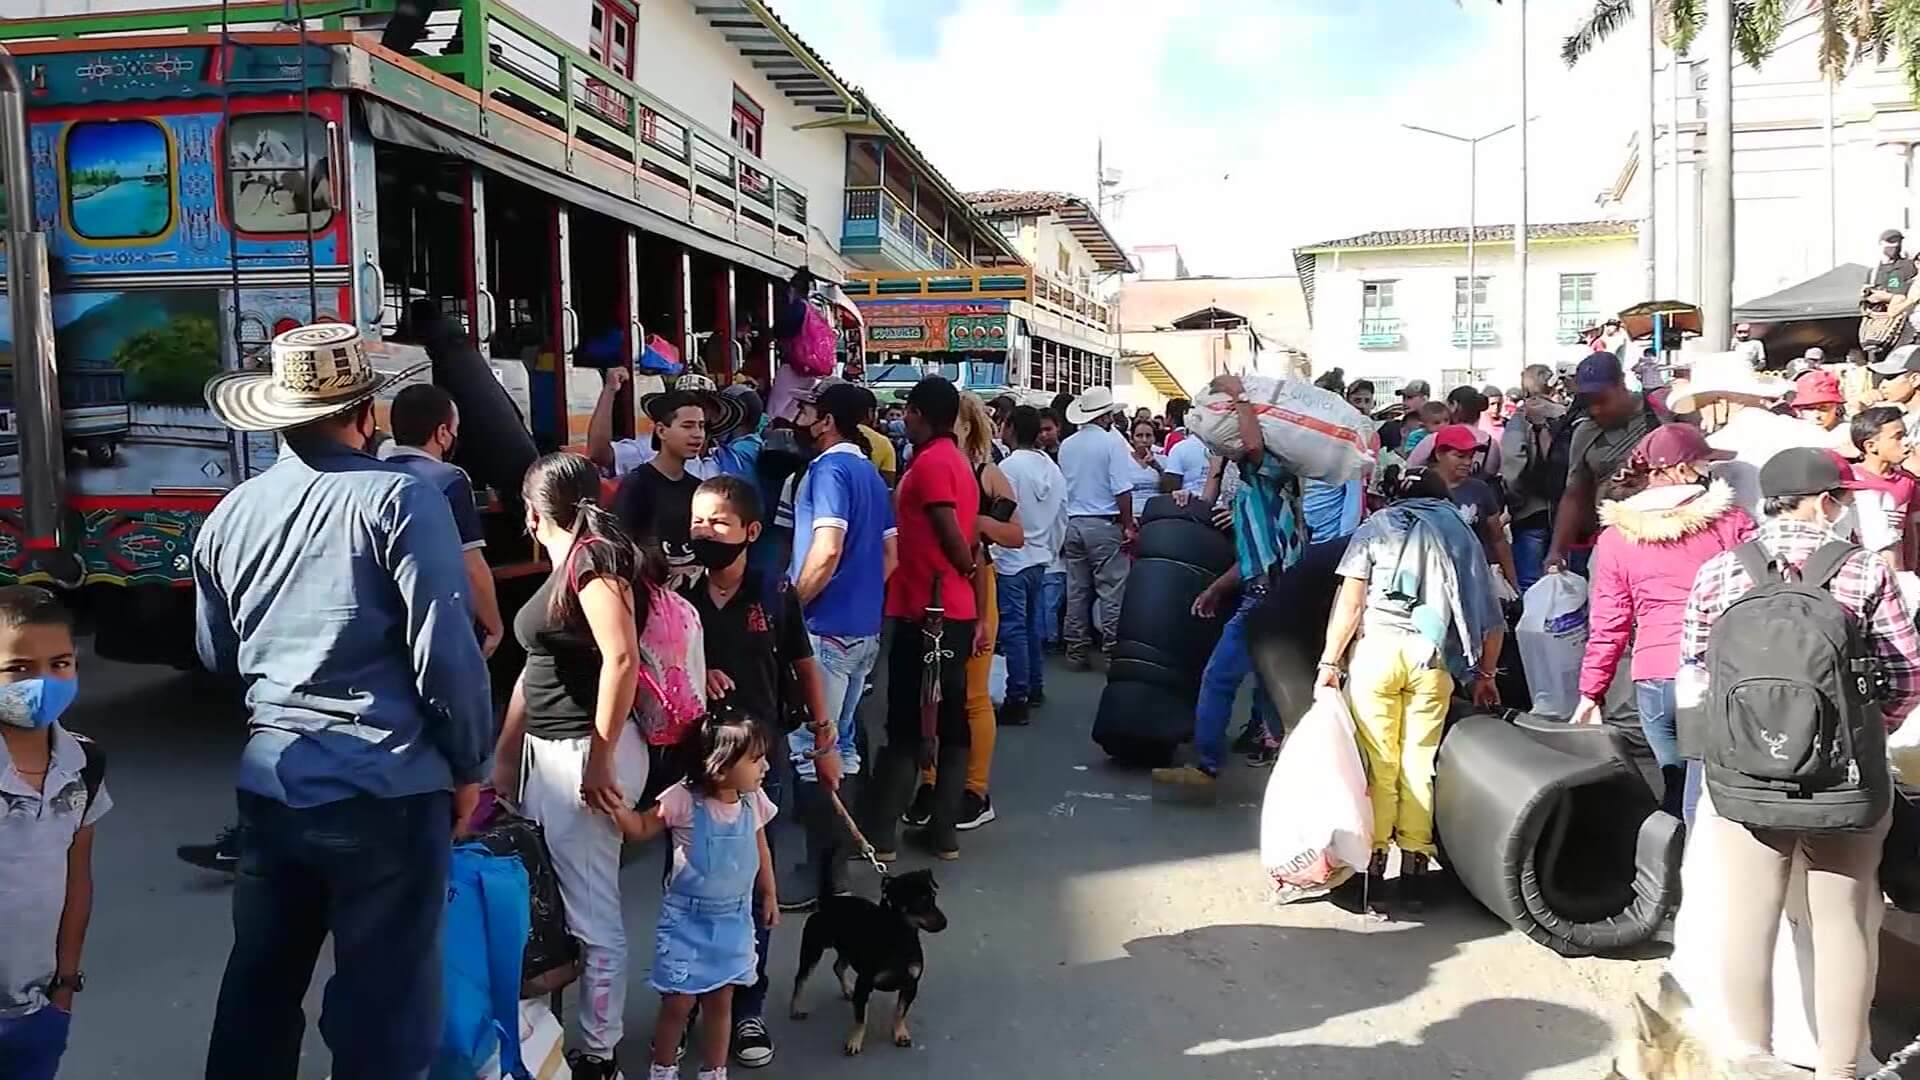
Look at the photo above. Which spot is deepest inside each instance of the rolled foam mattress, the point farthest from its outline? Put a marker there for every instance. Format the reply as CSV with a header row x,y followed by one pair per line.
x,y
1566,845
1160,648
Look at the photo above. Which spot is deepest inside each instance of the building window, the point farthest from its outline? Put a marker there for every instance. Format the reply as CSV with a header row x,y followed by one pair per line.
x,y
1452,377
1376,300
748,121
1063,260
1009,227
1460,295
610,37
1577,312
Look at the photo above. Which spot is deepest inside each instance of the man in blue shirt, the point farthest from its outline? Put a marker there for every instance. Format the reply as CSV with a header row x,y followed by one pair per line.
x,y
426,427
332,586
843,553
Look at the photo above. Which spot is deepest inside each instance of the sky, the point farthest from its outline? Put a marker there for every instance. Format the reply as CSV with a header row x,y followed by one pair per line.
x,y
1242,128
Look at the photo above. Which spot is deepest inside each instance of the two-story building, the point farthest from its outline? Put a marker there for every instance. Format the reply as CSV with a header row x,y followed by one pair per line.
x,y
1393,306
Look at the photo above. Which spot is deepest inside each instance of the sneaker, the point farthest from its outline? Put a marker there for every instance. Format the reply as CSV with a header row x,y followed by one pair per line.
x,y
1415,874
1262,755
975,811
222,856
752,1046
920,811
1184,783
1247,741
592,1066
1012,713
1036,696
1376,885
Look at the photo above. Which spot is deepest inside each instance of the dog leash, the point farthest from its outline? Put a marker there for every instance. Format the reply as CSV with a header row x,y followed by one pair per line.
x,y
866,848
1891,1070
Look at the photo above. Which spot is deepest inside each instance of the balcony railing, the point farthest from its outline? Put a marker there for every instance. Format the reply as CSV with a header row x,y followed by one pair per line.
x,y
970,282
1483,333
874,214
1573,326
1379,333
513,59
1063,299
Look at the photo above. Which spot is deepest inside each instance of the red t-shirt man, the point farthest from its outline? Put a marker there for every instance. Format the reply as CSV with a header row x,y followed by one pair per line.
x,y
937,476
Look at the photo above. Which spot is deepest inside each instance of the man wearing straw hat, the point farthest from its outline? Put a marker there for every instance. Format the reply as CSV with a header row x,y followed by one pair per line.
x,y
332,585
1734,402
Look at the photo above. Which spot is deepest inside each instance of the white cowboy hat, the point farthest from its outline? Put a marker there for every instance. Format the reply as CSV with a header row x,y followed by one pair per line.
x,y
1724,375
1095,403
317,371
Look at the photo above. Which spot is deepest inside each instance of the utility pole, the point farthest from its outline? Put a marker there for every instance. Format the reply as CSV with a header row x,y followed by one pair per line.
x,y
1649,252
1473,175
1100,178
1716,300
1520,228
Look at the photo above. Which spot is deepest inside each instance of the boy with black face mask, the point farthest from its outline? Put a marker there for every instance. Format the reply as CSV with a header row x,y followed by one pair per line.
x,y
752,627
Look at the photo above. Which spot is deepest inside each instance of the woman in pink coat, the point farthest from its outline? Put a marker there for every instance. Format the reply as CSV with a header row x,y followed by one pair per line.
x,y
1643,567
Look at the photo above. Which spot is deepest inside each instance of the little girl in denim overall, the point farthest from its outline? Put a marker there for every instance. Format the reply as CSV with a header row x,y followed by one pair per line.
x,y
704,945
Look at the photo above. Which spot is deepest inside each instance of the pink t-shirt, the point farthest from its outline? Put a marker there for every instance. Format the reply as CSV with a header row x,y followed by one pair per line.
x,y
676,809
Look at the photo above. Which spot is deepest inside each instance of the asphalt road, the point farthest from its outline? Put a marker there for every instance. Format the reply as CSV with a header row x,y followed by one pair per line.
x,y
1093,933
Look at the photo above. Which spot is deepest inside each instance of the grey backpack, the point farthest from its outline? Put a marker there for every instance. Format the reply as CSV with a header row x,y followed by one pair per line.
x,y
1792,735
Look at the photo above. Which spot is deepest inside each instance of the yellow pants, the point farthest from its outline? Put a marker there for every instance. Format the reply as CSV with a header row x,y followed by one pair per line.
x,y
980,719
1399,689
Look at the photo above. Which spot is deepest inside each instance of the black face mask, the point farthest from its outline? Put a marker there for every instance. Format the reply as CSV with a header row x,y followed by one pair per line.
x,y
715,554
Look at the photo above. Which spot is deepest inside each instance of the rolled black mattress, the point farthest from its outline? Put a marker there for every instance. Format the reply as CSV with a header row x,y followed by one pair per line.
x,y
1554,833
1153,679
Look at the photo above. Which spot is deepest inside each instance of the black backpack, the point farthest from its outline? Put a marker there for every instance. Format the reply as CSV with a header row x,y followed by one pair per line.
x,y
1792,735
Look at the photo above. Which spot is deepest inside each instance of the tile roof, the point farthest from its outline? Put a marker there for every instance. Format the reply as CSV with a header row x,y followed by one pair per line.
x,y
1485,234
1001,201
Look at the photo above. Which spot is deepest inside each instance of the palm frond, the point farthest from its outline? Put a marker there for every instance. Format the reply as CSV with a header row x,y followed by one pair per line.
x,y
1864,23
1902,21
1607,16
1757,25
1834,48
1684,18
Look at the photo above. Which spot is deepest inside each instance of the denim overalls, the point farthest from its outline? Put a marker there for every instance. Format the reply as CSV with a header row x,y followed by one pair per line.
x,y
705,938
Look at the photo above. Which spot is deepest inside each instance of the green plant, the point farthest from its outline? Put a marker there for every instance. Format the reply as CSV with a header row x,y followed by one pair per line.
x,y
169,364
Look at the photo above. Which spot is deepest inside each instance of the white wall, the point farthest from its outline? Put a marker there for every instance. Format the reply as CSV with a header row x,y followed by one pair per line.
x,y
1424,302
687,63
1786,229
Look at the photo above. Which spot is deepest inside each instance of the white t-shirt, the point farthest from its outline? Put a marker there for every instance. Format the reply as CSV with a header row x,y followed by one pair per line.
x,y
1146,481
36,830
1041,492
1189,458
1098,469
1755,435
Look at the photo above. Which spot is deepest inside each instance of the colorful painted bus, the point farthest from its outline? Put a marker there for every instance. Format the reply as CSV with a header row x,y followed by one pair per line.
x,y
184,183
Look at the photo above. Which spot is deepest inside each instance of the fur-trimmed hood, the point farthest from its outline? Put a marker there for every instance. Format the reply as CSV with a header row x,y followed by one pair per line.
x,y
1661,514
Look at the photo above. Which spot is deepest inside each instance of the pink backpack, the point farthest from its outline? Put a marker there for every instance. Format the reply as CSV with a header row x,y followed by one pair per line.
x,y
811,351
671,693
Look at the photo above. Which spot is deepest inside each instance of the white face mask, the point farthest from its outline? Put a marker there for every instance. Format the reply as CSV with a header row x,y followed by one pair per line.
x,y
1841,526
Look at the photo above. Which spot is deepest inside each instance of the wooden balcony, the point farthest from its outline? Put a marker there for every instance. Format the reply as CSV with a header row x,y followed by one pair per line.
x,y
1483,332
1573,326
966,283
878,223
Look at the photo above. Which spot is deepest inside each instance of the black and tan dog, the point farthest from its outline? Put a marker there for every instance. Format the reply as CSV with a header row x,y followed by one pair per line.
x,y
879,944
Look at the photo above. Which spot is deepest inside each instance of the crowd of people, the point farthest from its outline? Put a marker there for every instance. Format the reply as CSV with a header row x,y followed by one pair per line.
x,y
723,591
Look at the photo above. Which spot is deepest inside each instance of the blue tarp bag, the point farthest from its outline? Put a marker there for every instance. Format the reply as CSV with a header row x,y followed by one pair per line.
x,y
481,942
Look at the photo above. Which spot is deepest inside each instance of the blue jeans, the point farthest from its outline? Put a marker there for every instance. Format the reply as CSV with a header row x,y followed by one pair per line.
x,y
1654,698
1227,668
845,663
1530,555
31,1045
372,874
1053,594
1021,625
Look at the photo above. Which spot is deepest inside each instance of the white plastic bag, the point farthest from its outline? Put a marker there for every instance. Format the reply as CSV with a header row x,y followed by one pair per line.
x,y
997,681
1316,824
1552,635
542,1045
1314,431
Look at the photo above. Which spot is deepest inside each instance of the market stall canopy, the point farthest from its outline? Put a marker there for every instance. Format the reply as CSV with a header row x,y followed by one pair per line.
x,y
1833,295
1674,314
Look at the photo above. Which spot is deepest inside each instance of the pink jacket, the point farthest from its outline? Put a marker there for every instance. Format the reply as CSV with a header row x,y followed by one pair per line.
x,y
1643,568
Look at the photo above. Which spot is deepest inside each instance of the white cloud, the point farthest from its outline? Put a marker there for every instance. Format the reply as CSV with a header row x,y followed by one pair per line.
x,y
1015,98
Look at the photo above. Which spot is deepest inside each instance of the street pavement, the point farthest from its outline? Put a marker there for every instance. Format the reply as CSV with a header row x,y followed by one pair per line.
x,y
1093,932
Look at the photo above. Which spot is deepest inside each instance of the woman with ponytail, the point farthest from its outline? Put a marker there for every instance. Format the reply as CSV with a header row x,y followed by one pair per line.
x,y
603,637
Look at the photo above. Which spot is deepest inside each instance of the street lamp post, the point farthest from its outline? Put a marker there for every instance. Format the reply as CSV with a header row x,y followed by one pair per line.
x,y
1473,205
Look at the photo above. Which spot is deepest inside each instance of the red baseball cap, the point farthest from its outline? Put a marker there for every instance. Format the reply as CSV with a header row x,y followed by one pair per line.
x,y
1675,444
1456,437
1817,388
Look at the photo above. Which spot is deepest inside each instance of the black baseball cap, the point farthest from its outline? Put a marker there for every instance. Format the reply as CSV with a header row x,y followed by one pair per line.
x,y
1892,236
1416,388
1804,471
1598,371
1898,362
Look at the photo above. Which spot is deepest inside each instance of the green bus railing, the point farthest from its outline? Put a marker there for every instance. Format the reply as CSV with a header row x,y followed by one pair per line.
x,y
246,15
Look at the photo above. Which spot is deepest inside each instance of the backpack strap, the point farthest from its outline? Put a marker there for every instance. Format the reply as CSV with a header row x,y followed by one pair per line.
x,y
93,769
1821,567
1758,563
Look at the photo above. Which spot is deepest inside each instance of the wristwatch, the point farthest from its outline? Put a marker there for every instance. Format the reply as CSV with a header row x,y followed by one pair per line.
x,y
75,982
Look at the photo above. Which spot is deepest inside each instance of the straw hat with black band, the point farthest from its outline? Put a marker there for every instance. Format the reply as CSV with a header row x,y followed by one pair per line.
x,y
316,372
723,412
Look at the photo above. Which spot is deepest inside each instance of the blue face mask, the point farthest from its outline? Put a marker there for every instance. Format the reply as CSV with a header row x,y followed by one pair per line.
x,y
36,703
